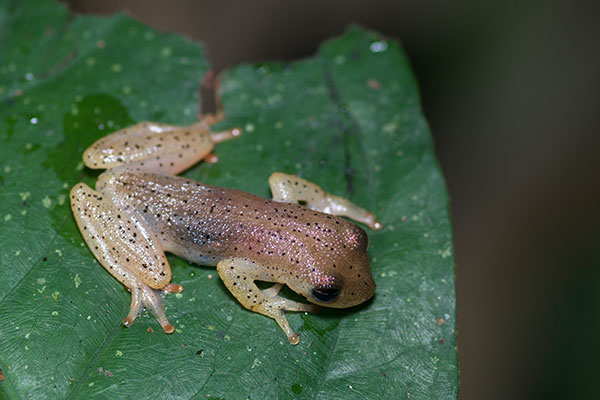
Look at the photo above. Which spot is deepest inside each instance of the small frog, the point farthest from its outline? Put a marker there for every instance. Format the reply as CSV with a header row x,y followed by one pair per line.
x,y
140,210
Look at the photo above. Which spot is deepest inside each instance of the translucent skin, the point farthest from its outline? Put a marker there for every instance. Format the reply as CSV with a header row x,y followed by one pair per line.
x,y
295,245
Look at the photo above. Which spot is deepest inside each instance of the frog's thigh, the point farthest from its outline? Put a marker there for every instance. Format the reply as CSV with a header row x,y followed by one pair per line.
x,y
239,276
292,189
126,248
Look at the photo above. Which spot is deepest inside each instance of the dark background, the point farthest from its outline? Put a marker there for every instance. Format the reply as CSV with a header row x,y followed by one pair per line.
x,y
511,92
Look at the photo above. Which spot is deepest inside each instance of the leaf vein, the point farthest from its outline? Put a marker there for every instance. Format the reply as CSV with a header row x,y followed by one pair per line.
x,y
349,128
87,367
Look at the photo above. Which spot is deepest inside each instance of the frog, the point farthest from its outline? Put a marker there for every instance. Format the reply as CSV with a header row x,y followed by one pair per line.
x,y
141,209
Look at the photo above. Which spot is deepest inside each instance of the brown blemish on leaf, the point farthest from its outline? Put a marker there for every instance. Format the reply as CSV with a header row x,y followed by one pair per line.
x,y
373,84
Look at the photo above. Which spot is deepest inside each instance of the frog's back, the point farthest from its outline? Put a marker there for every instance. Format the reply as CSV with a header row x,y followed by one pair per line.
x,y
206,223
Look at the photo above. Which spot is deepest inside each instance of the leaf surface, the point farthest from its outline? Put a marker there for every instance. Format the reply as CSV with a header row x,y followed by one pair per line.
x,y
348,119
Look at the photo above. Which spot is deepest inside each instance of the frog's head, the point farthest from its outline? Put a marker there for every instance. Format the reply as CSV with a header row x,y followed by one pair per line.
x,y
344,279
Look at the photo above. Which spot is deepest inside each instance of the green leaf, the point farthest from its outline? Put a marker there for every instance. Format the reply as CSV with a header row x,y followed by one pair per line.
x,y
348,119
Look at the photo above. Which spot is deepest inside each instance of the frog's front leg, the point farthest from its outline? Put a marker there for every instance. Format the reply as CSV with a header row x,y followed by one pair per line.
x,y
239,275
292,189
127,248
156,147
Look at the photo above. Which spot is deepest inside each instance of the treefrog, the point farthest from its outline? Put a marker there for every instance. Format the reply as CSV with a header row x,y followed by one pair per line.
x,y
140,210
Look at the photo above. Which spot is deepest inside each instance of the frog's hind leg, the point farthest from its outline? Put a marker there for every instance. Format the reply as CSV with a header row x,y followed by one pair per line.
x,y
127,248
239,275
156,147
292,189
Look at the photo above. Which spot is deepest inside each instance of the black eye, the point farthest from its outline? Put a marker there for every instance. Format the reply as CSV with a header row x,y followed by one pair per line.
x,y
325,294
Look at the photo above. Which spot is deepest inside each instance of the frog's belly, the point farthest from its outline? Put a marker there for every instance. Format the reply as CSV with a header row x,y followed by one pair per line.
x,y
198,258
192,237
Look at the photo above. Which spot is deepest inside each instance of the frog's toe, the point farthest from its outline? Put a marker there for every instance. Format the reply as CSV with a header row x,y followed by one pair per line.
x,y
173,288
294,339
159,314
136,306
283,323
168,328
228,134
154,304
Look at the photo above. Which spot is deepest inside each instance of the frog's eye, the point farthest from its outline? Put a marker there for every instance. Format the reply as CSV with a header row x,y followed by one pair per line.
x,y
325,294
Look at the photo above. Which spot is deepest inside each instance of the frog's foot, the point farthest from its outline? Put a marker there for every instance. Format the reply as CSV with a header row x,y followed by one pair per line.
x,y
125,246
143,295
292,189
239,275
173,288
156,147
211,159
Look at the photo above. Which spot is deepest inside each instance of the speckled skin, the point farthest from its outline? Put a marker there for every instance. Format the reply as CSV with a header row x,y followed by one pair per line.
x,y
139,210
295,245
